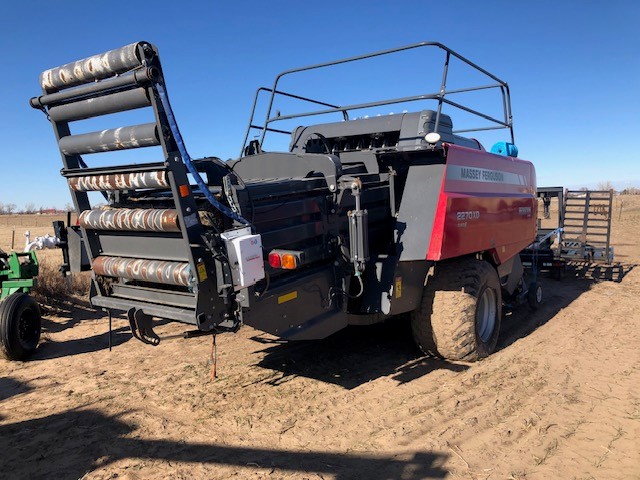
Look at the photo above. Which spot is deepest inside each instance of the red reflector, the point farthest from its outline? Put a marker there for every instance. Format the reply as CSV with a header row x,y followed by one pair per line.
x,y
184,190
274,260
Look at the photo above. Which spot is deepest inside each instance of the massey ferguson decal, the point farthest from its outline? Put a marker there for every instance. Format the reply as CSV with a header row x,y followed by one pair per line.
x,y
475,174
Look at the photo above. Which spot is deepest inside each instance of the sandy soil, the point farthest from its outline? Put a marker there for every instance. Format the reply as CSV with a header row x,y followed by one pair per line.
x,y
559,399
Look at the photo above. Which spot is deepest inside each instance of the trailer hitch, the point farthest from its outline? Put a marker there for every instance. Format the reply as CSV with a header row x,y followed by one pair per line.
x,y
142,327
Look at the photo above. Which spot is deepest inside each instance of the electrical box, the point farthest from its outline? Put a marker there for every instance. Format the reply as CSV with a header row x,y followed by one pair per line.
x,y
245,256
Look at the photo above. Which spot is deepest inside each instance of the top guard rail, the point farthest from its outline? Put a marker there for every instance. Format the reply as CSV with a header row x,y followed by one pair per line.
x,y
440,96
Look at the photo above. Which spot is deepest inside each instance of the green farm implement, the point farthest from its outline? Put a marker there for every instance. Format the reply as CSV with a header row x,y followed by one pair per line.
x,y
19,313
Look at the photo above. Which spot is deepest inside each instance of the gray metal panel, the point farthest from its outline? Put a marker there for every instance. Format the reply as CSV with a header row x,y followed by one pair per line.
x,y
411,276
155,295
368,158
417,211
361,126
393,287
416,126
292,235
139,245
307,316
288,165
283,210
78,259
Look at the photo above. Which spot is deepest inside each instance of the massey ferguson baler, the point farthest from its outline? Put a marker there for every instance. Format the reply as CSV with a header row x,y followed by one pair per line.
x,y
361,220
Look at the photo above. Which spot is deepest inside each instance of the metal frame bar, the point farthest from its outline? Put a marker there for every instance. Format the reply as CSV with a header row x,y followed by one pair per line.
x,y
440,96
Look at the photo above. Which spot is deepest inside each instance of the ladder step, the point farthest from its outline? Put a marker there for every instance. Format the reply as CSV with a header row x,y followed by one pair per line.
x,y
588,234
580,232
577,240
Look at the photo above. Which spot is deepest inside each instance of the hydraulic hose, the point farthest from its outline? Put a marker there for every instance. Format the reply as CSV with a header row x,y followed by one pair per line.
x,y
164,99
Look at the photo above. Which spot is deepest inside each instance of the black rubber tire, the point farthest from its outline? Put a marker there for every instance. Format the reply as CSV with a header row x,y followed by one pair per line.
x,y
20,324
535,295
445,325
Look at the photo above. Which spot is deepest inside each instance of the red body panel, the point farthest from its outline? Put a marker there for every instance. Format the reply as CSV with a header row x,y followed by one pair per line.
x,y
487,203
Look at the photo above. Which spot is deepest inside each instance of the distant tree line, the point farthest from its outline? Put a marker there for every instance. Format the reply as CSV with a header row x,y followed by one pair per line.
x,y
627,191
30,208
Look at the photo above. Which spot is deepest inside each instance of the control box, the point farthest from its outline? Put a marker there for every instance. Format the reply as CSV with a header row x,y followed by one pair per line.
x,y
245,256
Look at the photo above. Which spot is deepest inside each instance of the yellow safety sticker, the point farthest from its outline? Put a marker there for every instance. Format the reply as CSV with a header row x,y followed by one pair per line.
x,y
398,287
287,297
202,272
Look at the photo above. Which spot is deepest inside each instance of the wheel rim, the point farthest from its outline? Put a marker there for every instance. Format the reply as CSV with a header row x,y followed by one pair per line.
x,y
27,327
539,294
486,314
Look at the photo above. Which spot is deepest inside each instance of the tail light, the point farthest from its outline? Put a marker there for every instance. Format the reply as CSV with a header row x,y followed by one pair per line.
x,y
274,260
286,259
289,261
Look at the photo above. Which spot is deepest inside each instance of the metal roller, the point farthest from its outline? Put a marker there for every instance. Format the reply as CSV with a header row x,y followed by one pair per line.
x,y
121,138
119,181
136,78
154,271
93,68
130,219
93,107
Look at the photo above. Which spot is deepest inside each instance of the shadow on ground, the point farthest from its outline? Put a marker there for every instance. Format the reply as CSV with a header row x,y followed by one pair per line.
x,y
53,349
10,387
599,271
72,316
71,444
357,355
68,316
558,294
353,356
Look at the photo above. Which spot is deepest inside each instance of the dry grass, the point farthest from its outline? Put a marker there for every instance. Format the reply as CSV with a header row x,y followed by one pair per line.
x,y
54,290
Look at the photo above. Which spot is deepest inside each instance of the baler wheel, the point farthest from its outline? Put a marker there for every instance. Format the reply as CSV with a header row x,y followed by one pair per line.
x,y
20,323
459,317
535,295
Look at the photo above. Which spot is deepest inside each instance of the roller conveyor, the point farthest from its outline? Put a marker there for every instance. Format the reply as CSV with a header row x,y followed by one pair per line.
x,y
138,248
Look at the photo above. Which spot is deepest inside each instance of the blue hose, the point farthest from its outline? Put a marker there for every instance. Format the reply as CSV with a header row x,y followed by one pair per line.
x,y
187,159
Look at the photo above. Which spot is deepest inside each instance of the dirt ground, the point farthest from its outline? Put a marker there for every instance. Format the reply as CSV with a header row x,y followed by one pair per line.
x,y
559,399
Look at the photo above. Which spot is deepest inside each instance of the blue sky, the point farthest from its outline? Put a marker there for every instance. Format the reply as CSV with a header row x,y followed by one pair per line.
x,y
573,69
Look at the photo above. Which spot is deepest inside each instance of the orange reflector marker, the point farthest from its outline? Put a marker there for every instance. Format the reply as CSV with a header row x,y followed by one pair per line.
x,y
274,260
289,261
184,190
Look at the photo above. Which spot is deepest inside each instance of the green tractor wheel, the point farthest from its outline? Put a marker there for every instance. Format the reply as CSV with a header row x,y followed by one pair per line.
x,y
20,323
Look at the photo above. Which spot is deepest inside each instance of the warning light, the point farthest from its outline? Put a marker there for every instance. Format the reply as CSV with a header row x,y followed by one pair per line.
x,y
289,261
